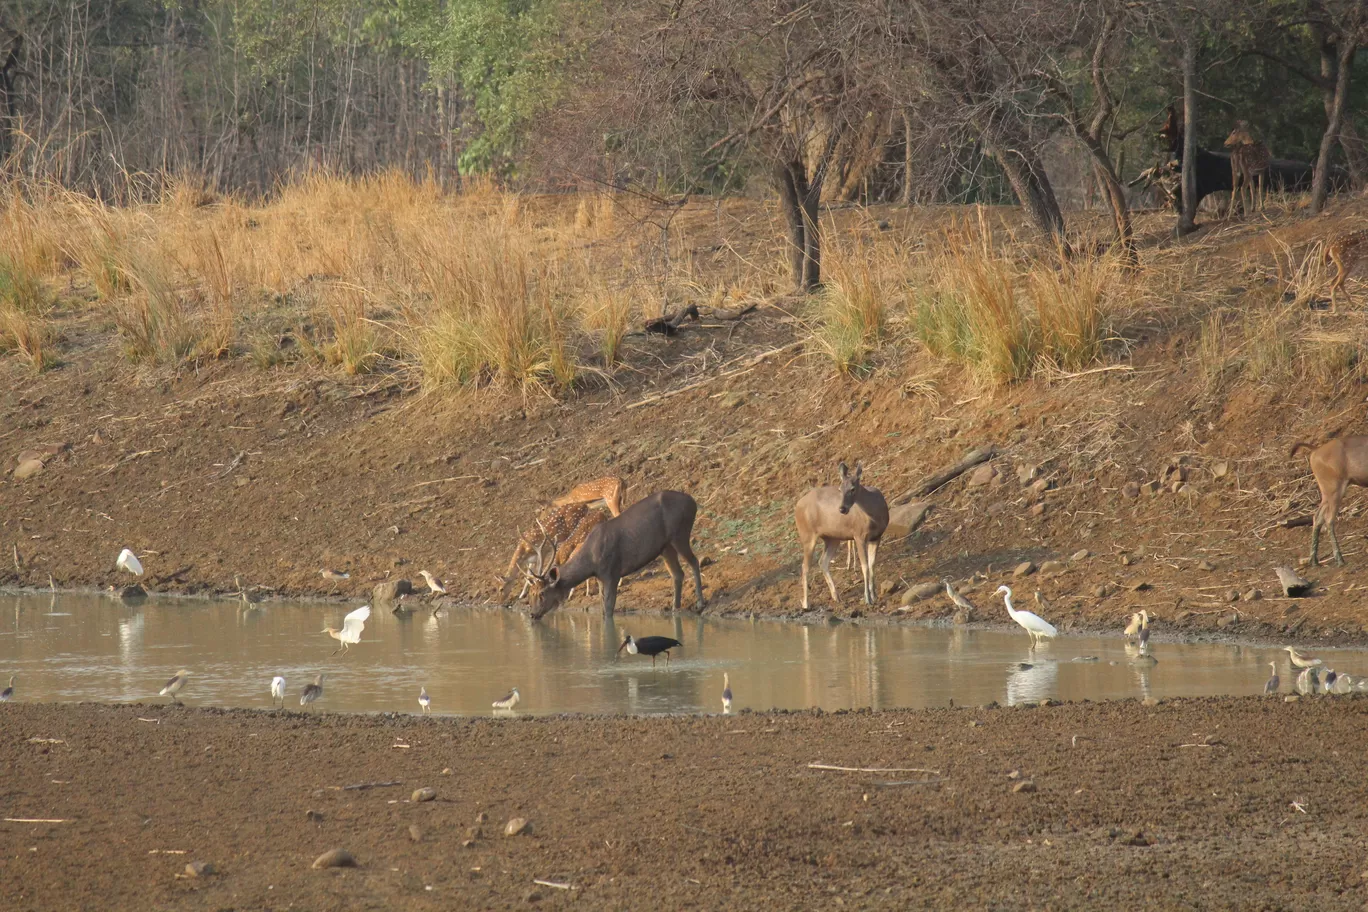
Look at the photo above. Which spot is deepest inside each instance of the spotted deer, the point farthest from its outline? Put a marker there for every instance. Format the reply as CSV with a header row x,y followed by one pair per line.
x,y
1249,167
592,520
608,489
556,523
1344,251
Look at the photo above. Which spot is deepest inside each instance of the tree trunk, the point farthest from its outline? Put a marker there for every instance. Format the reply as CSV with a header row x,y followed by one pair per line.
x,y
1031,186
791,200
907,159
811,196
1350,141
1320,180
1187,219
1116,194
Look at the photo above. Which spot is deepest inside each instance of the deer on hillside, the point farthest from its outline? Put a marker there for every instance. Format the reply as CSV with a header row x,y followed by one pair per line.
x,y
848,512
1344,251
660,525
1336,465
1250,164
554,523
608,489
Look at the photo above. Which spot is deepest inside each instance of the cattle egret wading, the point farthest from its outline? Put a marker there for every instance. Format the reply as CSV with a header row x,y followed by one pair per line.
x,y
127,560
352,625
1036,626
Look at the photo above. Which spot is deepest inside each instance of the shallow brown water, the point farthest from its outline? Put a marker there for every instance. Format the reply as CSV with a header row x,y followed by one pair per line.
x,y
86,647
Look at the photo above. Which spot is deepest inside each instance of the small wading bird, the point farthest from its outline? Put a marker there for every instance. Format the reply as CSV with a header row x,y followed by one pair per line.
x,y
127,560
352,625
1330,678
334,576
1138,623
964,608
1036,626
508,700
8,693
650,646
1301,659
176,685
424,700
1307,681
278,691
726,694
1273,682
311,691
435,586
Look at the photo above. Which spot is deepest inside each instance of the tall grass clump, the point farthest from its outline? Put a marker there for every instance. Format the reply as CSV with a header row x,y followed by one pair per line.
x,y
1069,305
24,308
355,344
606,313
852,311
151,318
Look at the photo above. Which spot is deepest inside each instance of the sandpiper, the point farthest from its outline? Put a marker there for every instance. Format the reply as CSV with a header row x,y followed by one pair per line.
x,y
726,694
424,700
508,700
176,685
312,691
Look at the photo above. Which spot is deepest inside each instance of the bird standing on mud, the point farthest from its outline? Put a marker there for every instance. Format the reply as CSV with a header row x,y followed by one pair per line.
x,y
433,585
1036,626
277,691
964,608
650,646
1301,659
127,560
8,693
508,700
176,685
311,691
352,625
424,700
1271,687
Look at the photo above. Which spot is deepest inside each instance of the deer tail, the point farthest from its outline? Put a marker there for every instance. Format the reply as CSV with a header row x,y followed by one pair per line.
x,y
1300,445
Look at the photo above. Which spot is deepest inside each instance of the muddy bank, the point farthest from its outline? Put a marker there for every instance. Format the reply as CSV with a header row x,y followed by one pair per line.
x,y
1233,803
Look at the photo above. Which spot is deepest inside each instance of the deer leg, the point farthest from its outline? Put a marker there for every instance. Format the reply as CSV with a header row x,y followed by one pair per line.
x,y
1331,516
1315,536
828,552
807,559
872,549
686,551
864,571
671,558
608,589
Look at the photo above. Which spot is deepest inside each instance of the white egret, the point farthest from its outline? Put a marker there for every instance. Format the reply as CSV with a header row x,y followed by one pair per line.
x,y
8,693
424,700
176,685
278,690
726,694
127,560
352,625
434,585
508,700
1273,682
311,691
1301,659
1036,626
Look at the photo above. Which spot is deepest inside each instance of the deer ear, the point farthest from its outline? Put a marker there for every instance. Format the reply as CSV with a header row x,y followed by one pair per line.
x,y
859,470
844,470
553,575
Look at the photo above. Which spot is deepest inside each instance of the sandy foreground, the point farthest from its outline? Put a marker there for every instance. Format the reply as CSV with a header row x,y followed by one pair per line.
x,y
1221,803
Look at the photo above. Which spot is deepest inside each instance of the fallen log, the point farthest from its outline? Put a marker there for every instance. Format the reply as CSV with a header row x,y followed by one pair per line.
x,y
974,457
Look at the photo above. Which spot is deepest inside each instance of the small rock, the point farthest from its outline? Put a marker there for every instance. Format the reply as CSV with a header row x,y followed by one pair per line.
x,y
920,591
335,858
1014,775
1138,586
982,476
1180,487
1083,554
1206,565
1291,698
482,817
1130,489
1253,595
888,587
1037,509
517,827
387,592
27,469
1150,701
1227,620
974,723
1040,486
1136,838
1051,567
1182,617
732,399
1220,469
1025,568
1101,591
1126,560
1293,585
132,593
1233,595
423,794
532,896
446,771
1027,473
200,869
1024,786
315,816
415,832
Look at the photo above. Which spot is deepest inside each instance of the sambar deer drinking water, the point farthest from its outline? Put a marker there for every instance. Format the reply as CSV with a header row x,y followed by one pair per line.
x,y
848,512
1336,465
656,526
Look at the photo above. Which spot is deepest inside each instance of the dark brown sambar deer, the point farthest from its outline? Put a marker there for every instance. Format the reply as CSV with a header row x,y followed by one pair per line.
x,y
656,526
833,514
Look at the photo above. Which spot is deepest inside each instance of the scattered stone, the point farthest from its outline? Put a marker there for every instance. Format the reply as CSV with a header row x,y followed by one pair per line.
x,y
518,826
1220,469
1233,595
1027,473
1253,595
1037,509
132,593
446,771
423,794
532,896
1125,560
982,476
888,587
1150,701
732,399
974,723
1025,568
335,858
1137,838
1014,774
1052,567
389,591
1180,487
1227,620
1130,489
1083,554
1040,486
416,833
1026,786
1291,698
315,816
27,469
1293,585
1206,565
920,591
482,817
1101,591
200,869
1150,487
1182,617
1138,586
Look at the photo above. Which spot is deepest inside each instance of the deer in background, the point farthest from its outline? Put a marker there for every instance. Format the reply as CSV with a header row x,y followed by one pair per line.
x,y
1249,167
848,512
660,525
1344,251
608,489
1336,465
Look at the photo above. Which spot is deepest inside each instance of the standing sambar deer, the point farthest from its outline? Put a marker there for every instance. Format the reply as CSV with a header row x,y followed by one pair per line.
x,y
656,526
1336,464
837,513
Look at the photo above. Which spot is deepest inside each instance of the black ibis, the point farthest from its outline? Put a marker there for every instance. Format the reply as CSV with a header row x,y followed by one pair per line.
x,y
8,693
726,693
508,700
651,646
312,691
176,685
424,700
